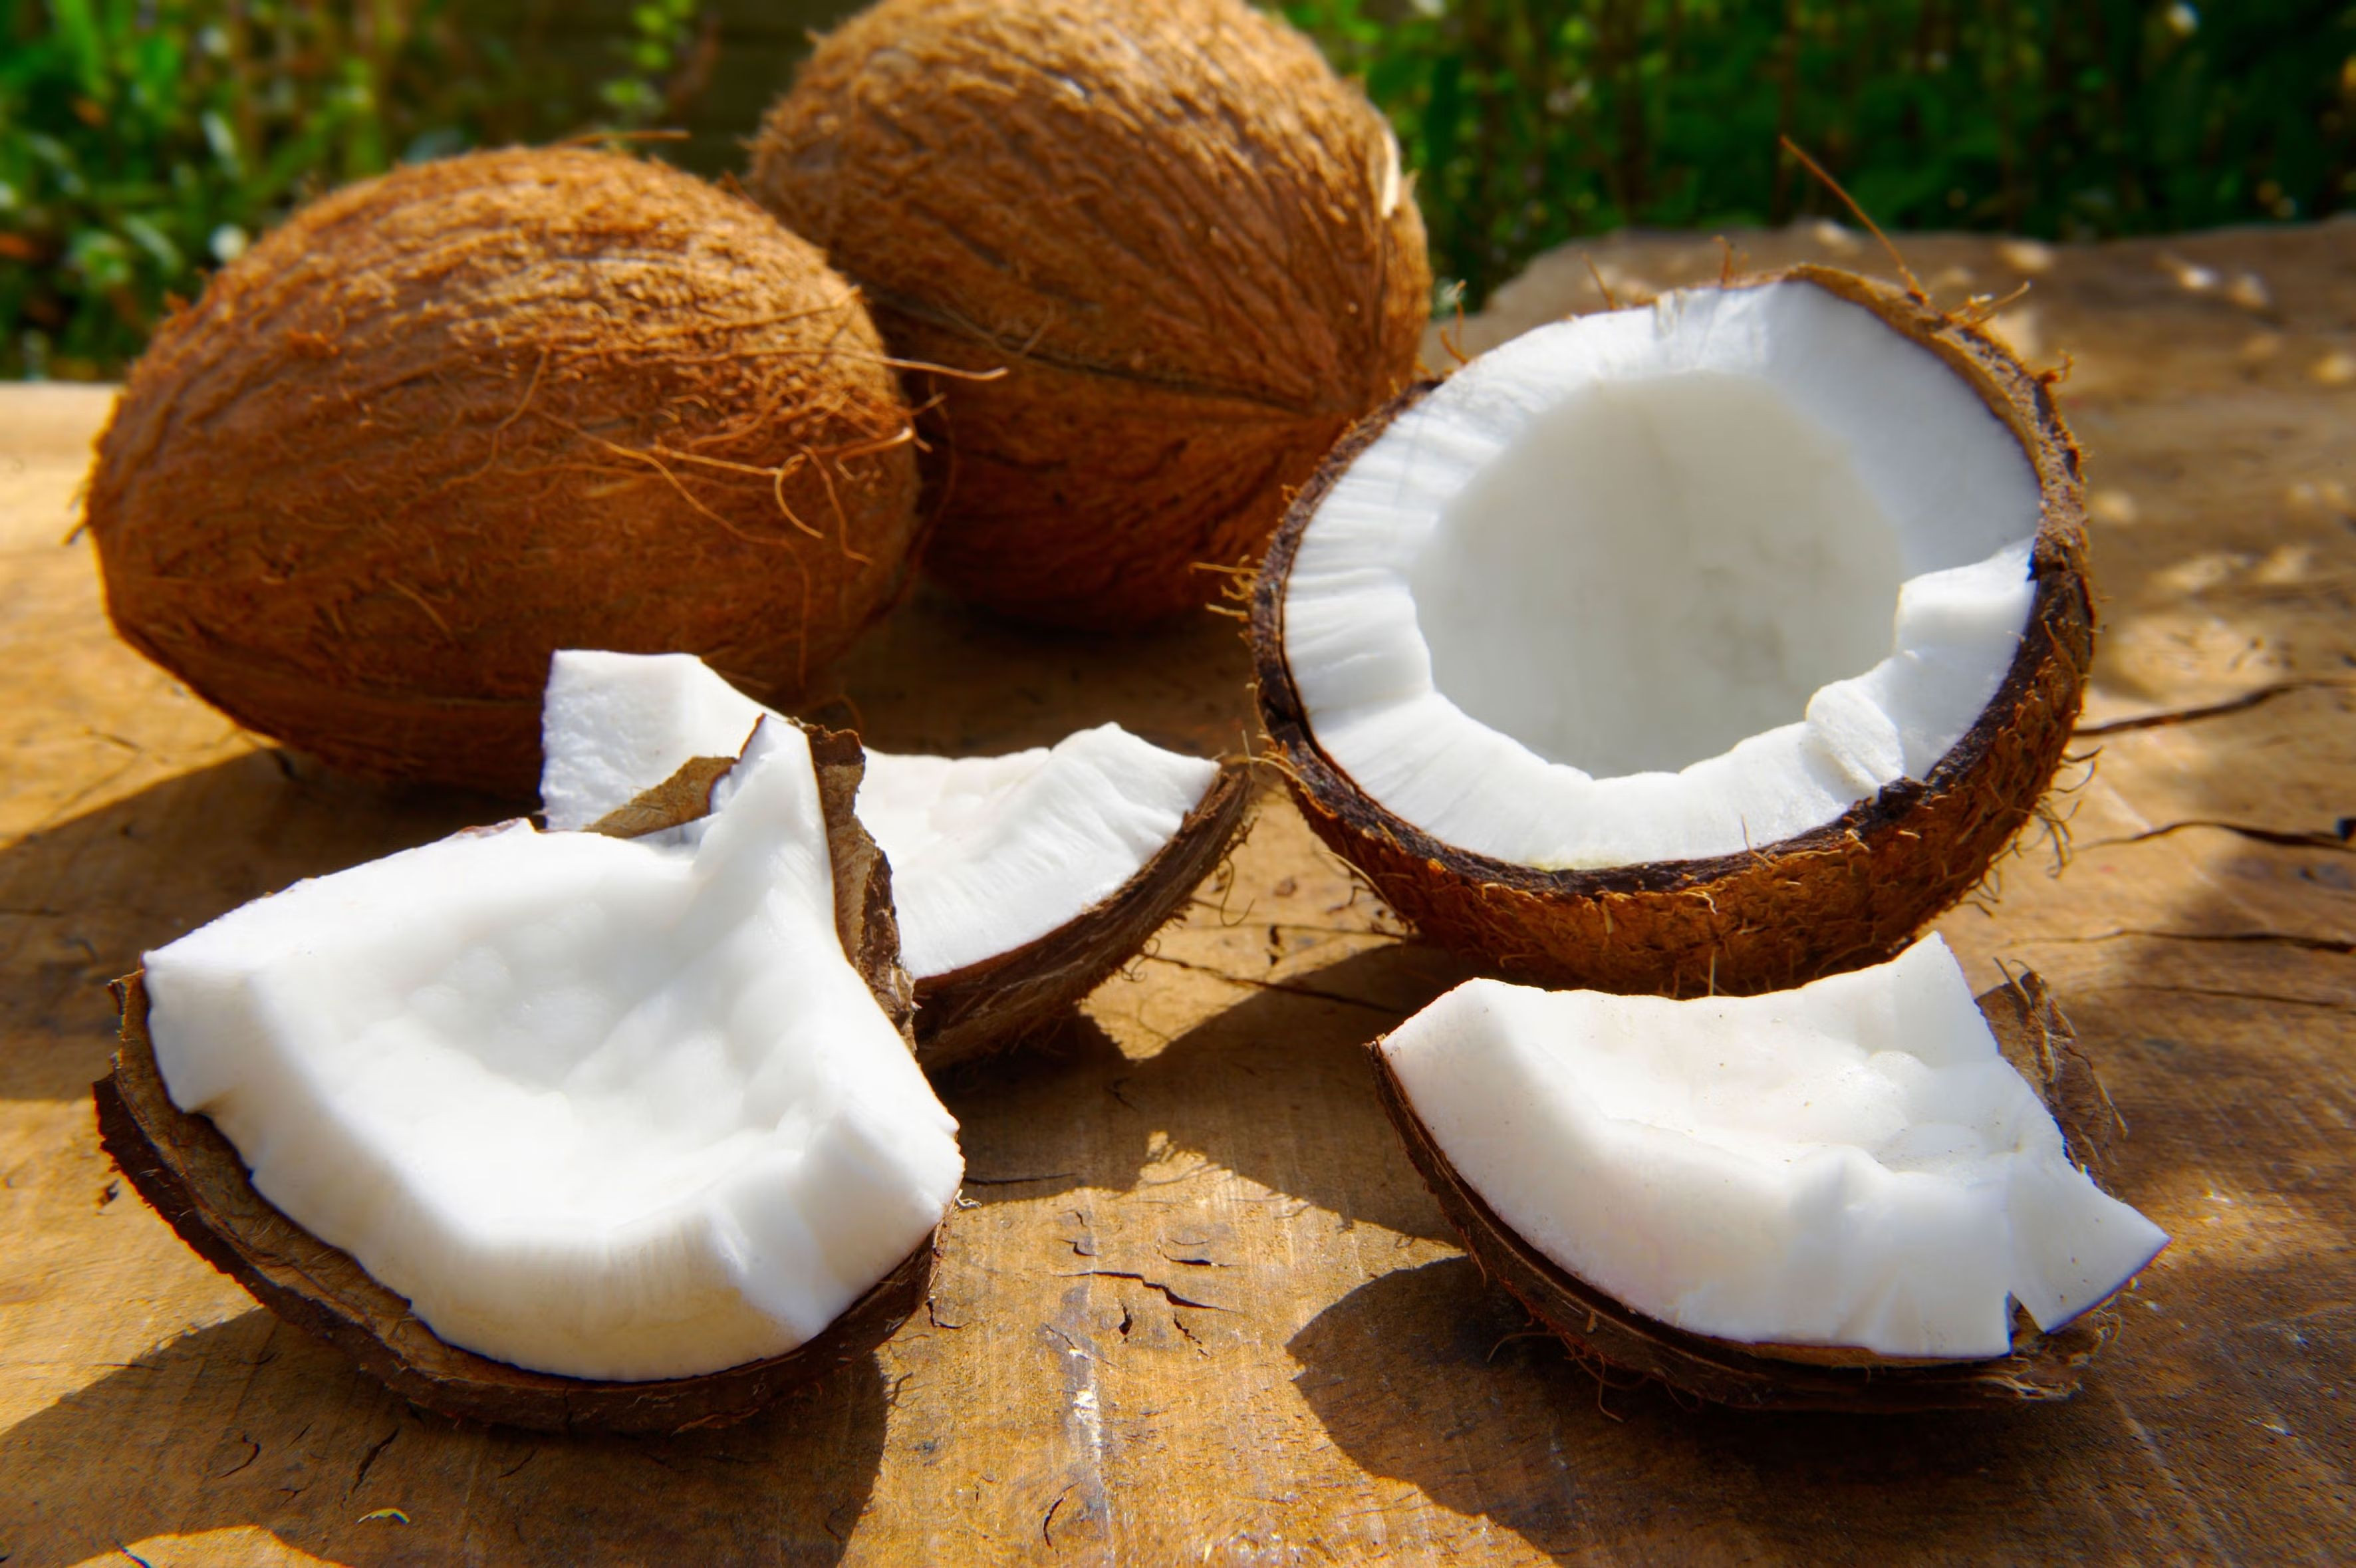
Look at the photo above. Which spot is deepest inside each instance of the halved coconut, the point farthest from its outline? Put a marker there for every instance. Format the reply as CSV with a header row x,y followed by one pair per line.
x,y
1710,646
1839,1196
560,1130
1021,881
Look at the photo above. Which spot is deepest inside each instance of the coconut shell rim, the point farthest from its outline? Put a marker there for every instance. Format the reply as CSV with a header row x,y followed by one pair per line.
x,y
2056,560
1598,1328
184,1168
1065,964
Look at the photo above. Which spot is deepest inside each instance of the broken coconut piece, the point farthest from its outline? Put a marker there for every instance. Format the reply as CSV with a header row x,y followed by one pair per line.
x,y
1710,646
1021,881
1824,1197
621,1114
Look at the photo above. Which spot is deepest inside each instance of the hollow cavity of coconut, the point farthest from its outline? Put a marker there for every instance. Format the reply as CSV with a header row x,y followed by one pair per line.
x,y
446,422
1185,244
556,1129
1716,645
1872,1193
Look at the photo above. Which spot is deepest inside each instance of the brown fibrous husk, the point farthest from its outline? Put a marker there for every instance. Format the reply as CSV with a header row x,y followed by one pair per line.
x,y
1185,248
1611,1336
1851,893
193,1176
446,422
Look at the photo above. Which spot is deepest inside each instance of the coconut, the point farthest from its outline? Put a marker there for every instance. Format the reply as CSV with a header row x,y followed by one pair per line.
x,y
446,422
1182,248
1838,1197
1711,646
558,1130
1021,881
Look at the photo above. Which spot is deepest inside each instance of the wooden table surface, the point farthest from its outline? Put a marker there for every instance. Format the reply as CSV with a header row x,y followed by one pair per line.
x,y
1196,1307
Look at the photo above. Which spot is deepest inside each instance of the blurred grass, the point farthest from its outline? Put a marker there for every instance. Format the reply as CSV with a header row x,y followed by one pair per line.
x,y
143,143
1533,121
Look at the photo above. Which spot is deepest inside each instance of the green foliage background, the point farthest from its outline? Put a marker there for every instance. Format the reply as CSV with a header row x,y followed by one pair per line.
x,y
143,143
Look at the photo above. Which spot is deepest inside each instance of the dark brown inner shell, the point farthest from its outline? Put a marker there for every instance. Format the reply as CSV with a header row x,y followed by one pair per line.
x,y
193,1176
2035,1037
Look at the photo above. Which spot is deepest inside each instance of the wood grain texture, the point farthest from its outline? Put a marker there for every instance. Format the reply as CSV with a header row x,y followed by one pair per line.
x,y
1201,1309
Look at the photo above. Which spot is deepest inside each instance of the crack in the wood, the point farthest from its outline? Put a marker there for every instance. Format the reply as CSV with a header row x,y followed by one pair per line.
x,y
2233,995
2240,705
1284,986
241,1463
2337,838
933,1314
1172,1296
1047,1524
369,1463
2284,938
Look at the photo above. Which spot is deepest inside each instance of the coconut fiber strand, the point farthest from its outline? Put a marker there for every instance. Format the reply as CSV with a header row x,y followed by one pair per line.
x,y
1186,243
446,422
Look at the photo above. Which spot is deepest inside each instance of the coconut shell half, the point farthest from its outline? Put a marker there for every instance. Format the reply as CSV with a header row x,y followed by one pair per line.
x,y
1848,893
194,1178
986,1006
2036,1039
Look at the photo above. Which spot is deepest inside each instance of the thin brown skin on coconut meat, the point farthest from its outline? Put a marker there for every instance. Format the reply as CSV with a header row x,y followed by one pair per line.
x,y
1849,894
1612,1337
1181,244
446,422
193,1176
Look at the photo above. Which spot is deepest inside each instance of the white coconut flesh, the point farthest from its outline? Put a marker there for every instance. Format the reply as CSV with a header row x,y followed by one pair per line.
x,y
1851,1163
987,853
597,1107
1665,582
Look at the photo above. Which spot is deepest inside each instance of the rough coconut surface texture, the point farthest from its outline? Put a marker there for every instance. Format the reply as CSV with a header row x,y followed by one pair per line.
x,y
987,853
607,1109
1849,1165
1186,243
1716,644
444,423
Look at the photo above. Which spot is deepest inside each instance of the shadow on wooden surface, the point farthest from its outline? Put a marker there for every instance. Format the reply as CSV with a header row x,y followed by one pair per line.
x,y
250,1423
1274,1088
1430,1377
155,865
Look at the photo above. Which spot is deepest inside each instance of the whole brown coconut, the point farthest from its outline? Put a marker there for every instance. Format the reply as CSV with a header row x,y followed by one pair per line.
x,y
1851,893
444,423
1186,243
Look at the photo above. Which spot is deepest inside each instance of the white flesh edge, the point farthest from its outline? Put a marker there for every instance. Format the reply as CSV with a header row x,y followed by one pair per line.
x,y
603,1107
1602,597
1849,1163
987,853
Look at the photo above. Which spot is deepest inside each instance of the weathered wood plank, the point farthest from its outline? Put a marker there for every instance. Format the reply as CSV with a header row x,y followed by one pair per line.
x,y
1199,1309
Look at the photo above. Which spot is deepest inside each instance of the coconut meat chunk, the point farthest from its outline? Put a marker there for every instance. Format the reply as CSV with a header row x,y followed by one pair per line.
x,y
603,1108
987,853
1851,1163
1665,582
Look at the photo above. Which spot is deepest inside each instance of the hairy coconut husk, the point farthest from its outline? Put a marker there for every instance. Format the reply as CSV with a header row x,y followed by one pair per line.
x,y
194,1178
986,1006
1186,243
1851,893
1613,1337
444,423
